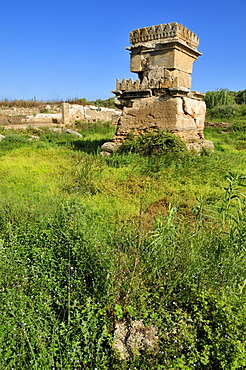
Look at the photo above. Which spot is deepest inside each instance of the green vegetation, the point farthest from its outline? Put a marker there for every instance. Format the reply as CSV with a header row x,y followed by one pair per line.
x,y
107,103
154,143
224,97
227,106
89,241
220,97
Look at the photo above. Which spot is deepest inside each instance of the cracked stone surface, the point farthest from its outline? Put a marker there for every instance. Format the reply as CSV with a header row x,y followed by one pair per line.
x,y
133,338
162,56
182,116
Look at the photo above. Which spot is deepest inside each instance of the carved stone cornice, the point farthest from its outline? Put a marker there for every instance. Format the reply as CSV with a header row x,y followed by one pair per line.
x,y
164,32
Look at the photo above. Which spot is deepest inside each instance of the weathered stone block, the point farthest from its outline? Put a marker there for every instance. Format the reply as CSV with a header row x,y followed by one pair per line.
x,y
163,57
182,116
134,338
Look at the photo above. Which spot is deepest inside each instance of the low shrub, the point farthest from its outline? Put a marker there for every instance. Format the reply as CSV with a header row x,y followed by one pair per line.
x,y
229,113
95,127
12,141
238,127
15,138
223,112
155,143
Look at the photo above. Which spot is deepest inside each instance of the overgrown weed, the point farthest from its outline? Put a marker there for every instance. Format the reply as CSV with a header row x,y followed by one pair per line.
x,y
81,250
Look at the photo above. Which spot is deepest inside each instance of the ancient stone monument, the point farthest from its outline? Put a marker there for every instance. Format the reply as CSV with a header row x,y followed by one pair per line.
x,y
160,98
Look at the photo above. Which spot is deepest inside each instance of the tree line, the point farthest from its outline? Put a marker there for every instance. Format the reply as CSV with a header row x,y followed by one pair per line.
x,y
224,97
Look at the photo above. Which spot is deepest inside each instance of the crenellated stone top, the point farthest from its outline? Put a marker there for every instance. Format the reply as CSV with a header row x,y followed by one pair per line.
x,y
161,83
162,32
163,57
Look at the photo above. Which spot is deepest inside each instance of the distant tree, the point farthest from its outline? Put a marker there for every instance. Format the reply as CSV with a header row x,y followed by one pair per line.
x,y
82,101
240,97
220,97
107,103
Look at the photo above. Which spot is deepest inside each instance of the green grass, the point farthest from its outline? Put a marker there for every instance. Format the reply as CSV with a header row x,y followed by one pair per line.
x,y
89,241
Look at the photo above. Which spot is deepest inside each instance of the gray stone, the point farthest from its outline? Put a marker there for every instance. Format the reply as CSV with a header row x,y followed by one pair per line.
x,y
69,131
208,145
56,129
109,147
105,154
2,137
134,337
34,137
198,146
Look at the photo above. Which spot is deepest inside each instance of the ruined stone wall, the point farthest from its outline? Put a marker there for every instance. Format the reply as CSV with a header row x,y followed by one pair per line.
x,y
72,113
44,118
67,115
12,112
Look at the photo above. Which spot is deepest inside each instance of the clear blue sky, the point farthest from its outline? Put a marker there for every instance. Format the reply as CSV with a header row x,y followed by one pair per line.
x,y
55,49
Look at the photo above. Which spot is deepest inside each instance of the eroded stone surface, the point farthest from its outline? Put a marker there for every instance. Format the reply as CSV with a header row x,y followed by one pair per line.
x,y
134,338
90,113
198,146
67,115
181,116
162,56
69,131
109,147
160,98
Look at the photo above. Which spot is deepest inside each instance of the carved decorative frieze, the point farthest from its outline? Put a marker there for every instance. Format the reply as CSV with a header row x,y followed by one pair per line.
x,y
164,31
162,56
171,79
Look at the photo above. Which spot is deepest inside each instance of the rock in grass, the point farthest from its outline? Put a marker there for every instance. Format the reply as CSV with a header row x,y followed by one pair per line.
x,y
2,137
109,147
56,129
134,338
105,154
34,137
69,131
198,146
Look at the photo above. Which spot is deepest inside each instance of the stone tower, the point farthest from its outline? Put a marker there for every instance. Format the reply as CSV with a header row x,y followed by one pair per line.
x,y
160,98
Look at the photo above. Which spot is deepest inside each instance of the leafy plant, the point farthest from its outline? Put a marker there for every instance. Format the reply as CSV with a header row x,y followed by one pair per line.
x,y
154,143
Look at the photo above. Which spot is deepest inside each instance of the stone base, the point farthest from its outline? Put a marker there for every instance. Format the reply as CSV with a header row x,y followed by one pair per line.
x,y
181,115
196,146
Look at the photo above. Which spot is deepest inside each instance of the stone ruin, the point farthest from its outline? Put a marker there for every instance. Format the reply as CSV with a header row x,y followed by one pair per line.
x,y
66,115
160,98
